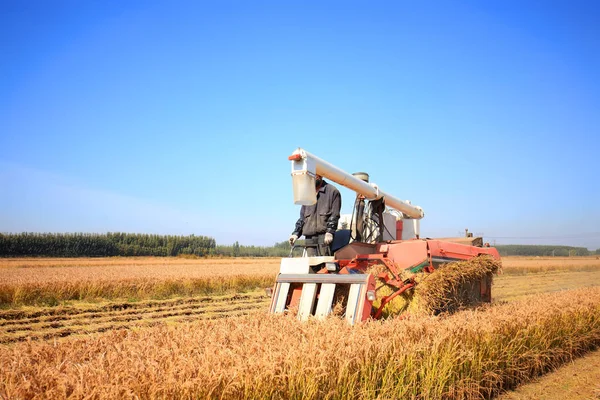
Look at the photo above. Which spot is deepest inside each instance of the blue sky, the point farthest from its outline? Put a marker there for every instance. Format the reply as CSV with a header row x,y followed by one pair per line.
x,y
177,117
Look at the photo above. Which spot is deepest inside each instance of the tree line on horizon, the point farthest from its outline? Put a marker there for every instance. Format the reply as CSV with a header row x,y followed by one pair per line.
x,y
136,244
543,250
114,244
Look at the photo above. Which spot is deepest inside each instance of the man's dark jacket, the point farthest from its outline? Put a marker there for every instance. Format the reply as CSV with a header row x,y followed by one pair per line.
x,y
321,217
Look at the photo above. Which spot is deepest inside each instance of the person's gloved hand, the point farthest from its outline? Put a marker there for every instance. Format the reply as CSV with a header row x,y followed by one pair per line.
x,y
293,239
328,238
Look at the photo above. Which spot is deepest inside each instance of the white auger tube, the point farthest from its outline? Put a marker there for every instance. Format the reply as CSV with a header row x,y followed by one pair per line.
x,y
305,166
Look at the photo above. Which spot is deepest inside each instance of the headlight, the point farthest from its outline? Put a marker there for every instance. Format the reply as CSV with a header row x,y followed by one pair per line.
x,y
331,266
371,295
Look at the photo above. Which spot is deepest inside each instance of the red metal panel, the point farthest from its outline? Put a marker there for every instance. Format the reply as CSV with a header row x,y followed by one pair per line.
x,y
353,249
368,306
296,290
408,253
438,248
399,226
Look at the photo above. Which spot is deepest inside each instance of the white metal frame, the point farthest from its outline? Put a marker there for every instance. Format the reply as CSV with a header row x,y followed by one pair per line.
x,y
355,301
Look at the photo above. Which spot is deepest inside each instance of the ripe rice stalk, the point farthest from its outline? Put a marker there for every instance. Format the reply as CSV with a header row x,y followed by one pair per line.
x,y
399,304
53,293
455,285
471,354
451,287
53,281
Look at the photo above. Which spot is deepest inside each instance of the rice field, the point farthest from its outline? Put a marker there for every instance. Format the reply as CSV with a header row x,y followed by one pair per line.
x,y
51,282
471,354
531,265
197,328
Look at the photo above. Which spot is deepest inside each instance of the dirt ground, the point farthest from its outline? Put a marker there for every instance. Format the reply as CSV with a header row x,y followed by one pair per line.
x,y
578,380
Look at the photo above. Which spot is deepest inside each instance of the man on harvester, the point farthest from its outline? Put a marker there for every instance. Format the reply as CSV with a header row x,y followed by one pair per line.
x,y
318,222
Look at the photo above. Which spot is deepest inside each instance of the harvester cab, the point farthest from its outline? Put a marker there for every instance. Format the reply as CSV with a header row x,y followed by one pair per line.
x,y
377,257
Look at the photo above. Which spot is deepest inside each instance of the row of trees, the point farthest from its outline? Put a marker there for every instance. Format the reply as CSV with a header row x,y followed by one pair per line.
x,y
543,250
133,244
102,245
126,244
280,249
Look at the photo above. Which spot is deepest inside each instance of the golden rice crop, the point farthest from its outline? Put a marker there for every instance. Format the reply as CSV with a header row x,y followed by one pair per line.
x,y
34,269
450,288
53,293
49,282
471,354
513,265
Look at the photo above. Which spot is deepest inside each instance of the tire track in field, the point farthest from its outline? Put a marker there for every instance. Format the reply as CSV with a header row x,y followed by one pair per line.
x,y
20,314
50,323
54,315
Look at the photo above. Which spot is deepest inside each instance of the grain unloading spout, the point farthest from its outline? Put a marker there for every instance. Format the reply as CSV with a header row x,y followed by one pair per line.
x,y
305,167
304,171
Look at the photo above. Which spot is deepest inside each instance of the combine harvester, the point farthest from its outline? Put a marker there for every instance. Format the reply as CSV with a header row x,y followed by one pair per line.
x,y
379,257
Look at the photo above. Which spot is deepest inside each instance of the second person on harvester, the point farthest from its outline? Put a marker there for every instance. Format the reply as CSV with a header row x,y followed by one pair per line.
x,y
320,220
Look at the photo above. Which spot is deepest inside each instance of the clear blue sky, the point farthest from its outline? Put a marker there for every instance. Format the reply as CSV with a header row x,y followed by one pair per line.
x,y
177,117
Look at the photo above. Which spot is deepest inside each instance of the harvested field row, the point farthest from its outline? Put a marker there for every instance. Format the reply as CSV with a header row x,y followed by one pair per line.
x,y
91,321
97,317
471,354
83,328
29,313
